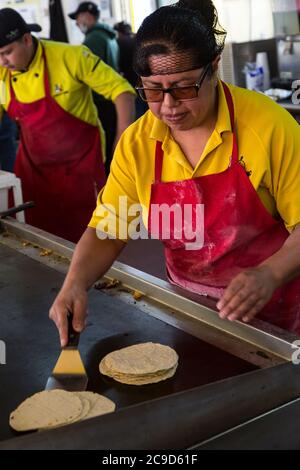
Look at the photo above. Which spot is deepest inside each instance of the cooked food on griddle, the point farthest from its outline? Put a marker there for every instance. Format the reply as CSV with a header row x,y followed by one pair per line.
x,y
140,364
54,408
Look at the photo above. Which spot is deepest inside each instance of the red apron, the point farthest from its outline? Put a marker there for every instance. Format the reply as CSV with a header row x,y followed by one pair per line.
x,y
239,233
60,164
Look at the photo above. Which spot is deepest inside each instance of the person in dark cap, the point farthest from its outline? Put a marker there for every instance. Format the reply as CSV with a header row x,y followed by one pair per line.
x,y
123,28
126,41
215,171
46,88
101,39
127,44
13,26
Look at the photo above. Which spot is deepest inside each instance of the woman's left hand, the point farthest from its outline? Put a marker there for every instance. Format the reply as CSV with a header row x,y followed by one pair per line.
x,y
247,294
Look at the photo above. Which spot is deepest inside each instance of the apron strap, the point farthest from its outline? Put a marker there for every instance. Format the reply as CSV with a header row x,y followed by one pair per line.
x,y
235,150
12,91
46,75
159,156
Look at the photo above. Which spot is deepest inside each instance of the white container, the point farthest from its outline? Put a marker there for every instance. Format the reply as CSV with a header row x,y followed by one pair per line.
x,y
262,61
10,181
254,77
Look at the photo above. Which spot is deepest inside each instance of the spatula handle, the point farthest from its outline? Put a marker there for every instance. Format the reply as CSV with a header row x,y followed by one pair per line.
x,y
73,336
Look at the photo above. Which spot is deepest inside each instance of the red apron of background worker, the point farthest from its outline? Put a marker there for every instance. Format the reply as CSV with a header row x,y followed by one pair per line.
x,y
47,88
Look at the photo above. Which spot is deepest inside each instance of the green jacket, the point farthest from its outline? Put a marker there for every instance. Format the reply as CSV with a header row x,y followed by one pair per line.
x,y
101,40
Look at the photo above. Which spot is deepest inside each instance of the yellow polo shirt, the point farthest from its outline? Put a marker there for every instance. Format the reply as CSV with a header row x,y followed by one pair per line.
x,y
73,72
268,139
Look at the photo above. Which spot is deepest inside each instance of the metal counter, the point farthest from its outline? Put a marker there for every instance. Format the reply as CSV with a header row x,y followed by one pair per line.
x,y
216,358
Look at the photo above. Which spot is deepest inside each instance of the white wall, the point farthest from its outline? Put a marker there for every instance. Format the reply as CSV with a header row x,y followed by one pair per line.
x,y
163,3
139,11
246,20
285,16
33,11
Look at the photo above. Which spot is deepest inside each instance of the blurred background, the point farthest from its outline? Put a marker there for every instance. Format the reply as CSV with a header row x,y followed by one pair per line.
x,y
254,27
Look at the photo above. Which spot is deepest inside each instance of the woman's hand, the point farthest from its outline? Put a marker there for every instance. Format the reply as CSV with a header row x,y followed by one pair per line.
x,y
91,259
70,299
247,294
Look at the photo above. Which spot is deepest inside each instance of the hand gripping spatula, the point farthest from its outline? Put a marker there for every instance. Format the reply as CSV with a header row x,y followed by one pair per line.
x,y
69,372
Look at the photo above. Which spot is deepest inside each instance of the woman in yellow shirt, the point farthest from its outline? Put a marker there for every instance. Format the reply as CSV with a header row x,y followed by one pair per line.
x,y
216,170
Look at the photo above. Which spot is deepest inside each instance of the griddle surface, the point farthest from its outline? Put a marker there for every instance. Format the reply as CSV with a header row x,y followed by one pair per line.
x,y
27,289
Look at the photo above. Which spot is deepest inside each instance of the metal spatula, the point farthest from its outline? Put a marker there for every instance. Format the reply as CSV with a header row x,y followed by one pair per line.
x,y
69,372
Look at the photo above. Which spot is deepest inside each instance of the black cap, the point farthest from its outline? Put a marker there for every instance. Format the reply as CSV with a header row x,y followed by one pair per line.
x,y
13,26
84,7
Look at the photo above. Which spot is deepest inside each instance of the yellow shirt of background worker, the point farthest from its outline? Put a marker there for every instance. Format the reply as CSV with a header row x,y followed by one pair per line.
x,y
268,139
47,88
68,89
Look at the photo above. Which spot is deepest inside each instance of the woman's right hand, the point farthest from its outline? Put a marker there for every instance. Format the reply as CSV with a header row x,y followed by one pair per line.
x,y
91,259
70,299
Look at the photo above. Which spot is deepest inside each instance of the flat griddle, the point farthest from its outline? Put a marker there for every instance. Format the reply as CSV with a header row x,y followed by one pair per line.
x,y
27,289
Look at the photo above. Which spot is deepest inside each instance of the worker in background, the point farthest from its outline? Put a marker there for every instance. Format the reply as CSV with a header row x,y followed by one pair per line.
x,y
8,143
216,171
47,87
101,39
127,43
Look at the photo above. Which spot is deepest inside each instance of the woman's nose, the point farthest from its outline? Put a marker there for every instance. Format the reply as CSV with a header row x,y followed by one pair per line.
x,y
169,100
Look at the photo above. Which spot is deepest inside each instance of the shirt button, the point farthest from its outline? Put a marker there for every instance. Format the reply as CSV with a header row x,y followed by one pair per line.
x,y
15,79
36,75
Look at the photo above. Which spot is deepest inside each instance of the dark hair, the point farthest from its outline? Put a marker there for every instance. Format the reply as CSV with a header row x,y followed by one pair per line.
x,y
123,27
189,26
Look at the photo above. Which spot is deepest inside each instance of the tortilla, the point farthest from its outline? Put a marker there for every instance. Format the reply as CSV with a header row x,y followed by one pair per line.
x,y
46,409
56,408
98,404
140,364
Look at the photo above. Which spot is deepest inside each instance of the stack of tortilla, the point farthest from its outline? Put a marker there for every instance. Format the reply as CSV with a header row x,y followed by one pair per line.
x,y
55,408
140,364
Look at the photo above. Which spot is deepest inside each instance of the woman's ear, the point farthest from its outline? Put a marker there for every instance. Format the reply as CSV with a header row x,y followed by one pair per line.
x,y
215,64
215,69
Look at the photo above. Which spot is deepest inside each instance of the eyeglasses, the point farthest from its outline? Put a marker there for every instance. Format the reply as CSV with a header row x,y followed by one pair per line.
x,y
179,93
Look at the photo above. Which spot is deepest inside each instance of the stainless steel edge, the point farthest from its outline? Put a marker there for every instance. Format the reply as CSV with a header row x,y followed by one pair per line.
x,y
260,334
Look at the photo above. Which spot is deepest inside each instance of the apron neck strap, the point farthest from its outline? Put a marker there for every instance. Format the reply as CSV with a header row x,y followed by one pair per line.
x,y
235,151
46,75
